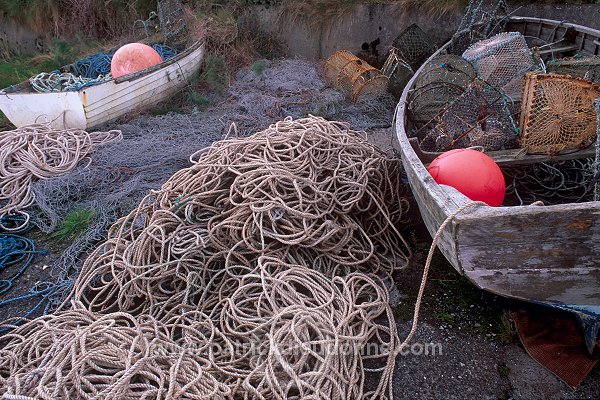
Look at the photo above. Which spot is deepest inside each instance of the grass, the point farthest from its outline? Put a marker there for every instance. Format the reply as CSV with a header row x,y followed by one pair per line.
x,y
74,225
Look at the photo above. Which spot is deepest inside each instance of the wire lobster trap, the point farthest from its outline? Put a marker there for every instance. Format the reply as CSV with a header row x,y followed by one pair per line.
x,y
414,46
355,77
502,61
479,117
397,71
442,80
557,112
172,21
584,67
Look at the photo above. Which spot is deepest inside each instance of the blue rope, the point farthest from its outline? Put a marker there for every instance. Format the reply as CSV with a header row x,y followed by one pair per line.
x,y
93,66
165,52
10,221
15,250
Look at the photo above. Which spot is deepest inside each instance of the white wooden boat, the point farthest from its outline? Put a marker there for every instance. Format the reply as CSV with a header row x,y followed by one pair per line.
x,y
104,102
544,254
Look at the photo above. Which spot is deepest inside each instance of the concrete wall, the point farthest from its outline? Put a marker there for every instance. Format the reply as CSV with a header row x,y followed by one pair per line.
x,y
18,38
365,23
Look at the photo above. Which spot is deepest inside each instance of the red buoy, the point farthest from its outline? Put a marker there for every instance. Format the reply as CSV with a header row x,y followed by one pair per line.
x,y
472,173
133,57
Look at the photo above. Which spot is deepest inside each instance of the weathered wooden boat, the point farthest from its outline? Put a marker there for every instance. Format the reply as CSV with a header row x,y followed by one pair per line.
x,y
543,254
103,102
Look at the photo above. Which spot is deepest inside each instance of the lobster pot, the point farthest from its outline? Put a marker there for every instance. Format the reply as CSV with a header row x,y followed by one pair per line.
x,y
476,118
172,21
502,61
441,81
557,113
355,77
414,46
397,71
583,67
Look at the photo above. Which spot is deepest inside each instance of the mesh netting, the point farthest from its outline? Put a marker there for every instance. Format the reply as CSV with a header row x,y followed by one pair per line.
x,y
561,182
153,148
502,61
397,71
345,71
479,117
442,80
583,67
481,20
557,113
414,46
172,22
597,159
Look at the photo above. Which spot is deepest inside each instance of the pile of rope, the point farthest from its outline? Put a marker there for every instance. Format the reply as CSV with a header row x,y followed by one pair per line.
x,y
261,271
63,82
40,152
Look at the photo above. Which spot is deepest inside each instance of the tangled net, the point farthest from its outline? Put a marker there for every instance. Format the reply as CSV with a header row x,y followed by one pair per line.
x,y
583,67
64,82
39,151
558,182
277,248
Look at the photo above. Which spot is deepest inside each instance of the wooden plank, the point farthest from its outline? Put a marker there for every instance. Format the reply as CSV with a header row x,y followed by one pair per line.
x,y
534,237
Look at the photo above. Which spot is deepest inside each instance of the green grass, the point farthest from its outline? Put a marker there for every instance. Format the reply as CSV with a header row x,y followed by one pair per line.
x,y
74,225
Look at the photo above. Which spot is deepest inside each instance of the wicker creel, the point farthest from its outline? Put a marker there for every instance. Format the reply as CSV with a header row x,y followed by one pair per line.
x,y
557,113
345,71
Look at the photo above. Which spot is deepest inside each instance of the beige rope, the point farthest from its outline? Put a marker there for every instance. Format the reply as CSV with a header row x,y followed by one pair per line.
x,y
432,248
267,257
40,152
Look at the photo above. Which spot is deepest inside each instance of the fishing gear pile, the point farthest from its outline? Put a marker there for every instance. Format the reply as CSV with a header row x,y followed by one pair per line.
x,y
41,152
261,271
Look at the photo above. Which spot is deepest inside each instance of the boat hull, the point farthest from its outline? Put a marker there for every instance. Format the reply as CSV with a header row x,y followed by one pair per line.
x,y
542,254
105,102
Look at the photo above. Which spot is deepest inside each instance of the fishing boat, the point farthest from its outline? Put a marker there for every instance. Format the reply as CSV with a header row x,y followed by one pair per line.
x,y
542,254
103,102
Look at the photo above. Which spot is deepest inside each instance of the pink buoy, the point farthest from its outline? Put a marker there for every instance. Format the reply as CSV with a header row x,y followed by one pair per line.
x,y
133,57
472,173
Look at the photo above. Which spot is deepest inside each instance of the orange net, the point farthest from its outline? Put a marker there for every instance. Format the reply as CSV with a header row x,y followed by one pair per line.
x,y
345,71
557,113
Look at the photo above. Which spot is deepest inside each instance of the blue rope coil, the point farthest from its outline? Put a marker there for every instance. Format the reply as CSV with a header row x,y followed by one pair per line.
x,y
14,223
93,66
165,52
17,251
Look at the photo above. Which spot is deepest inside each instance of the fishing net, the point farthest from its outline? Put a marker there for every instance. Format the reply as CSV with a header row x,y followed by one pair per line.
x,y
559,182
289,234
348,73
502,61
63,82
441,81
413,46
397,71
557,113
153,148
39,152
583,67
481,20
479,117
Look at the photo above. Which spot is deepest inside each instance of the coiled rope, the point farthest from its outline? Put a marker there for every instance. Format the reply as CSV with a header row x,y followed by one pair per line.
x,y
260,272
39,152
64,82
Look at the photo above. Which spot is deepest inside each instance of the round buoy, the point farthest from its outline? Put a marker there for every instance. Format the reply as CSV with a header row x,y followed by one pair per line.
x,y
133,57
472,173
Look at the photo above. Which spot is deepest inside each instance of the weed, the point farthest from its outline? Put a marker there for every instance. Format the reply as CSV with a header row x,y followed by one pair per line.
x,y
503,370
259,66
74,225
200,100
